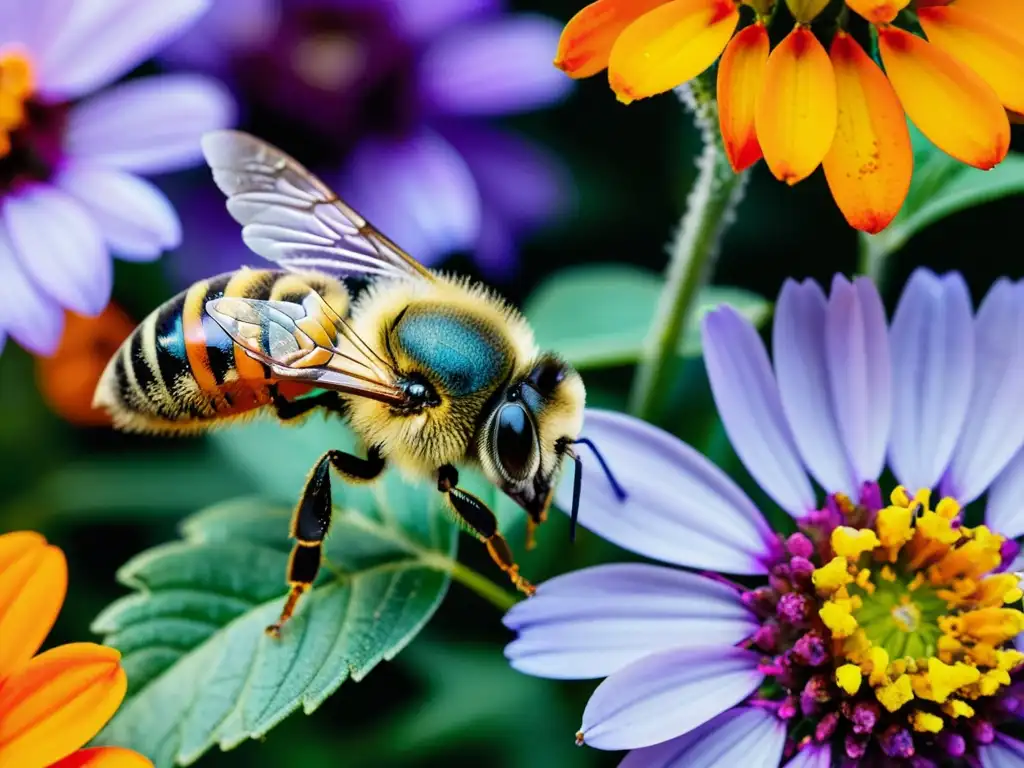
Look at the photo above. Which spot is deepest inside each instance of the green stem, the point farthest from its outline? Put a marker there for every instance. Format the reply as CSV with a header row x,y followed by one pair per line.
x,y
487,589
710,209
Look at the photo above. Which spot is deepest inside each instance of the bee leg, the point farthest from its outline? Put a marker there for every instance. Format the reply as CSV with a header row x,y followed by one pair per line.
x,y
312,519
291,409
482,521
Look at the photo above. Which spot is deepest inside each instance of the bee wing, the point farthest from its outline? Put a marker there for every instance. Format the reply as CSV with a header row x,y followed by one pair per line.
x,y
307,342
291,217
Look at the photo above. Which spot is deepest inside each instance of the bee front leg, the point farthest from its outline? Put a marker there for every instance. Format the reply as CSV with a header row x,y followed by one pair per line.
x,y
484,524
286,409
312,519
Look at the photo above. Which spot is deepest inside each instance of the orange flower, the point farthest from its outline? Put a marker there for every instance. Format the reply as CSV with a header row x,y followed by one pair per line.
x,y
823,101
68,378
54,702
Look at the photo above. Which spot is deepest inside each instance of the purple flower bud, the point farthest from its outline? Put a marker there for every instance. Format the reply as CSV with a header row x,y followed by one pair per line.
x,y
855,745
800,546
953,743
922,762
826,727
871,496
779,579
864,716
801,572
815,693
984,732
794,608
810,650
897,741
761,600
1009,552
788,709
767,637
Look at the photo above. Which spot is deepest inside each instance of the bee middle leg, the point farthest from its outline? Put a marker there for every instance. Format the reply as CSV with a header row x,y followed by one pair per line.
x,y
286,409
482,521
312,519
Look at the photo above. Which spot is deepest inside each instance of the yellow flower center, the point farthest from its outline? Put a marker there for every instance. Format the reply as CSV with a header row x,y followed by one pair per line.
x,y
916,613
16,86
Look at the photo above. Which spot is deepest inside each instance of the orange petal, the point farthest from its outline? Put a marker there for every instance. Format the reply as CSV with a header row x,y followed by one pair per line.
x,y
33,582
796,109
982,45
104,757
740,75
588,38
57,702
870,162
878,11
670,45
951,105
1005,14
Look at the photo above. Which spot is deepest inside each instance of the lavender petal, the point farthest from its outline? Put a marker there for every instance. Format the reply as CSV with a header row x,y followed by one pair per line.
x,y
859,371
747,736
667,694
60,247
680,508
32,318
1004,512
993,430
932,339
812,756
137,221
801,369
422,21
150,125
593,622
1004,752
751,411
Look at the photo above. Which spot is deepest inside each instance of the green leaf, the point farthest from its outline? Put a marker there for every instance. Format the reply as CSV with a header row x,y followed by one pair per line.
x,y
942,186
201,670
598,316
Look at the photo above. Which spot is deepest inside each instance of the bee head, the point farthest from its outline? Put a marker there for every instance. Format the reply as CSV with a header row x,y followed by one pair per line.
x,y
529,430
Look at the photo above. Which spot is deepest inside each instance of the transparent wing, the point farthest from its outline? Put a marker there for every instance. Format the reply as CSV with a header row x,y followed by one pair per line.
x,y
291,217
307,342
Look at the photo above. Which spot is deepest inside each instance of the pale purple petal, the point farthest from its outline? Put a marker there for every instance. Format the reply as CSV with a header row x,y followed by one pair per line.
x,y
60,247
747,736
150,125
137,221
32,318
812,756
493,67
994,427
1004,752
932,339
748,403
422,21
667,694
418,190
101,40
801,369
859,371
593,622
1004,512
227,28
680,507
30,25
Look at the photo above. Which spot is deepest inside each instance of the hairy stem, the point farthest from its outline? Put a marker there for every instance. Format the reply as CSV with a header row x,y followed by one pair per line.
x,y
710,209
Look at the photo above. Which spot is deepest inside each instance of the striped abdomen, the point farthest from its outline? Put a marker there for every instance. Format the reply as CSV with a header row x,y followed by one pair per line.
x,y
179,371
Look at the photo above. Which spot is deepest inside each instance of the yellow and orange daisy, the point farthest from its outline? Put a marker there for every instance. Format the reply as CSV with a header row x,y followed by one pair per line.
x,y
822,99
53,702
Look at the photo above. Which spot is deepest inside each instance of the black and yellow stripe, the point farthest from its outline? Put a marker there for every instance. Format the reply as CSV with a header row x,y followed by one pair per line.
x,y
179,370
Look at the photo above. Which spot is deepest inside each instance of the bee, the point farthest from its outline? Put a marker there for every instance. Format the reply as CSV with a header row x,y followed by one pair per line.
x,y
430,371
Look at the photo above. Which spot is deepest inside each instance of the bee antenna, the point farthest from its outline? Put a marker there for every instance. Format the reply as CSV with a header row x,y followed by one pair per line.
x,y
620,493
577,487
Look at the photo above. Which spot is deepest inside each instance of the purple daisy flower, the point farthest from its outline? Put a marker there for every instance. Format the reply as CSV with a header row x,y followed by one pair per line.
x,y
398,92
881,631
69,193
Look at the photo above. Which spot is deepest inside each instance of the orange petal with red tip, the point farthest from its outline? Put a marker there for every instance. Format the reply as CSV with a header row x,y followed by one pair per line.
x,y
104,757
870,163
878,11
59,700
669,46
587,39
951,105
33,582
979,43
740,75
1005,14
796,109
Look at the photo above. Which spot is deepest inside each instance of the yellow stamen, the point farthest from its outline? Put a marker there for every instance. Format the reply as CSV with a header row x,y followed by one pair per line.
x,y
945,679
879,658
851,543
838,617
896,694
849,677
958,708
832,576
16,85
925,722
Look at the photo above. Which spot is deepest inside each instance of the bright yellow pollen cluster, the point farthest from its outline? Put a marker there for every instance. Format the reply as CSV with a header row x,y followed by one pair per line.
x,y
937,562
16,85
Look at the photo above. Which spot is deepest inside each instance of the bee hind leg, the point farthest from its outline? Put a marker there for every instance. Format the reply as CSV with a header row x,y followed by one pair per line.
x,y
312,519
483,523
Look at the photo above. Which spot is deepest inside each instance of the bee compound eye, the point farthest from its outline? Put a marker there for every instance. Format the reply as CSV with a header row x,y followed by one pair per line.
x,y
514,440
